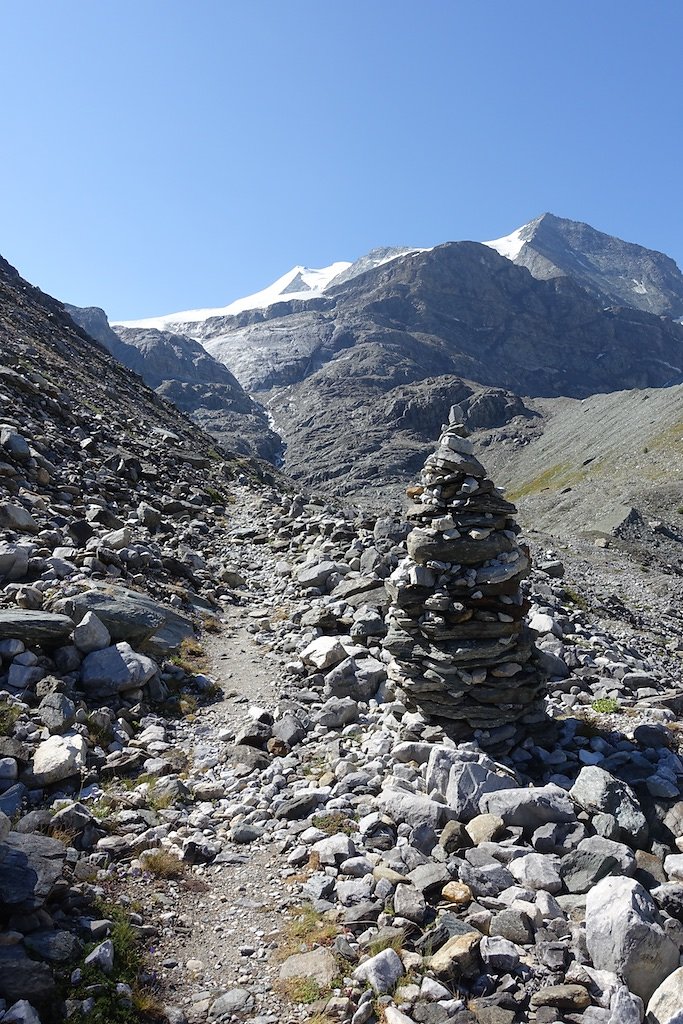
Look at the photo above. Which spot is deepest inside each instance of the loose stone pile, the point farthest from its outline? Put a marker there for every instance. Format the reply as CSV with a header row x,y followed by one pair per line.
x,y
461,649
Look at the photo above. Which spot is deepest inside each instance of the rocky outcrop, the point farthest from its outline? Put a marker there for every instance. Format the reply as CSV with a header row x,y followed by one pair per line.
x,y
461,649
183,372
613,271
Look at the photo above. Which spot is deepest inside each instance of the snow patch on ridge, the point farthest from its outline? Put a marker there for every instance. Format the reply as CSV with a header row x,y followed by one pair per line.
x,y
298,283
509,245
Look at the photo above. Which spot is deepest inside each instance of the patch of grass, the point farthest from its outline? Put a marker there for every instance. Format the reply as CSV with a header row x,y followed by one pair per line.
x,y
334,822
64,835
216,496
163,864
191,656
605,705
308,928
301,990
129,965
156,798
9,716
556,477
187,705
211,624
394,942
101,734
576,599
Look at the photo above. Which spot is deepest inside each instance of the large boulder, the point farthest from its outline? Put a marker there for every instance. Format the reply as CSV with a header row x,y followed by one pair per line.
x,y
530,808
115,670
598,792
34,626
131,616
624,934
29,867
59,757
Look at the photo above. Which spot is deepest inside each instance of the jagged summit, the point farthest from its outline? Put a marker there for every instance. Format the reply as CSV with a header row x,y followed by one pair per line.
x,y
611,270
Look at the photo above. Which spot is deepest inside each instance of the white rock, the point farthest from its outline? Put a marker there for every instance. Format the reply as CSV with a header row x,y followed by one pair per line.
x,y
666,1003
624,935
59,757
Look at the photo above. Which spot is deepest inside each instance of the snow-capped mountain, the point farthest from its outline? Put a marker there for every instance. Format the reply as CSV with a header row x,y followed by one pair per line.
x,y
298,283
301,283
615,272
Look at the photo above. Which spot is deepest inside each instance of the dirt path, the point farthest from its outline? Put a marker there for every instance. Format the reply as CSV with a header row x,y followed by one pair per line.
x,y
219,925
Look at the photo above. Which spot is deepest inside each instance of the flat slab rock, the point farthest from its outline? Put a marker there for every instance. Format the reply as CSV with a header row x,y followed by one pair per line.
x,y
320,965
34,626
29,867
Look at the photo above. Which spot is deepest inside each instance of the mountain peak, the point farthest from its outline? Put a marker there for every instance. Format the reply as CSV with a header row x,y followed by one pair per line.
x,y
613,271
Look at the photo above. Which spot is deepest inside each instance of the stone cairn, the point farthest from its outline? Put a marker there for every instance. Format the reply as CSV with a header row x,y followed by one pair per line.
x,y
461,650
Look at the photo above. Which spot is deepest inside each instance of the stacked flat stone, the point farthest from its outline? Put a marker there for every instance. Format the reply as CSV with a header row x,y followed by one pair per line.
x,y
461,650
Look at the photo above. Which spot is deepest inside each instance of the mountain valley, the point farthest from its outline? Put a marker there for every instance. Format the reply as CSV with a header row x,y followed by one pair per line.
x,y
216,802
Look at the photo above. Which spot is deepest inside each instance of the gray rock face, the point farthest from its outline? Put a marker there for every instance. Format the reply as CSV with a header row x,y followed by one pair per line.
x,y
115,669
357,345
615,272
598,791
34,626
624,935
182,371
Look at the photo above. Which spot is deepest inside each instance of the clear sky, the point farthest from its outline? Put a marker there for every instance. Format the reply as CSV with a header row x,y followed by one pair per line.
x,y
160,155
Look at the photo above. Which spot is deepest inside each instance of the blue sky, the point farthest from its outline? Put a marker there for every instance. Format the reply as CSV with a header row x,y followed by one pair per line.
x,y
161,155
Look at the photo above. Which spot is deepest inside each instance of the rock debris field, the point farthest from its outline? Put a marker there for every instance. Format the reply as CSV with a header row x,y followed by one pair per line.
x,y
215,805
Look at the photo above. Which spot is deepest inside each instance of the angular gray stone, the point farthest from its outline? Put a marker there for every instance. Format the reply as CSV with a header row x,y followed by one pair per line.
x,y
413,808
529,808
318,964
29,867
116,669
624,935
381,972
236,1000
58,712
59,757
34,626
102,956
596,791
468,783
410,903
15,517
666,1003
91,634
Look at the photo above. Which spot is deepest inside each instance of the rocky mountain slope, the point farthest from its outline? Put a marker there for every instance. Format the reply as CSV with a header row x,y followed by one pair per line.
x,y
612,271
184,373
358,373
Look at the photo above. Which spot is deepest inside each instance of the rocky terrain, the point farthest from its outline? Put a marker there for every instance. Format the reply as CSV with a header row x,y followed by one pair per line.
x,y
183,372
218,799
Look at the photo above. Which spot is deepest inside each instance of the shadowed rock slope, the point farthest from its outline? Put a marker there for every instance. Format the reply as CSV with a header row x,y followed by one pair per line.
x,y
184,373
